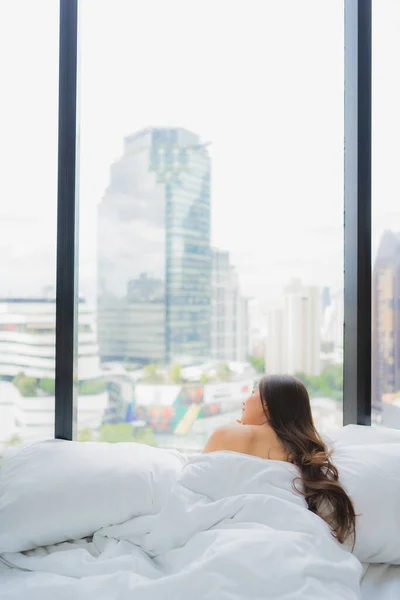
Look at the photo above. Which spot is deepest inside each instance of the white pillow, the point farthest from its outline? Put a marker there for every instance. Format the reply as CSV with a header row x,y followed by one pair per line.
x,y
368,460
57,490
354,435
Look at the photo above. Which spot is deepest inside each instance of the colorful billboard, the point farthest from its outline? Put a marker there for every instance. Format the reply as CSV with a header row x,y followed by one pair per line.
x,y
232,393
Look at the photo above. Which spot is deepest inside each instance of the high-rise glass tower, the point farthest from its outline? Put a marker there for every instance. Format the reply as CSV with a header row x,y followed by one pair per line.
x,y
154,255
386,321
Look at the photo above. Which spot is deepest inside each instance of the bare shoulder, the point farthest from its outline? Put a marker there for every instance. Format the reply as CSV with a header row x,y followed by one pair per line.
x,y
236,438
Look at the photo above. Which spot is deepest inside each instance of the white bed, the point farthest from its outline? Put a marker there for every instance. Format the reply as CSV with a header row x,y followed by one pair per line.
x,y
231,527
381,582
150,525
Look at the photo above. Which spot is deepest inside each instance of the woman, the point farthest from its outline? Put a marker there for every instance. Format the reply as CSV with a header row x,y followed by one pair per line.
x,y
277,424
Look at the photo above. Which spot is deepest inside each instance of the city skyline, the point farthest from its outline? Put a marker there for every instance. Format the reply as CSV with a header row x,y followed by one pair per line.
x,y
303,338
269,111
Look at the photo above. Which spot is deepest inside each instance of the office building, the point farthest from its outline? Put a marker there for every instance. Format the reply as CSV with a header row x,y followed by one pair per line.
x,y
333,320
257,316
326,298
386,321
154,256
242,329
332,329
27,339
27,368
275,363
229,312
294,336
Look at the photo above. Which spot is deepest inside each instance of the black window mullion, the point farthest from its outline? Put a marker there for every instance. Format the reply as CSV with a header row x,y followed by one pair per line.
x,y
65,413
357,200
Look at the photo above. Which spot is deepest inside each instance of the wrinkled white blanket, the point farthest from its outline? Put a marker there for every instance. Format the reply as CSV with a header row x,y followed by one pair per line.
x,y
233,528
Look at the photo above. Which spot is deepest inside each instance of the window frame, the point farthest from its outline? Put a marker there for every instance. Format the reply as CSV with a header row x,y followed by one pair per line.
x,y
67,266
357,364
357,212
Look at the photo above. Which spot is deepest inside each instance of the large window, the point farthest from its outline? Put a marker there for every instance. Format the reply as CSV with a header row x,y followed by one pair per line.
x,y
198,217
28,150
386,216
211,212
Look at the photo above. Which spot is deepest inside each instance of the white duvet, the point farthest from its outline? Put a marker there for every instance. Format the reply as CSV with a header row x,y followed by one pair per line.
x,y
233,528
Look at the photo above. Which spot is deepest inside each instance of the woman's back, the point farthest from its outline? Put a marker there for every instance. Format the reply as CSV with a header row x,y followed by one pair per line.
x,y
255,440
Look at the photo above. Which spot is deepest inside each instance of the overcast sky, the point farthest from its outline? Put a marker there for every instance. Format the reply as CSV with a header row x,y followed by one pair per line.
x,y
260,79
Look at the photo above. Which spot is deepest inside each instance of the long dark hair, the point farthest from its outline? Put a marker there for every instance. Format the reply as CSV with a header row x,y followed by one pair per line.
x,y
287,407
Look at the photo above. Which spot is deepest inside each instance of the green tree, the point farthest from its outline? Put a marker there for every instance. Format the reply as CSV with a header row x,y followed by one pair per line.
x,y
26,386
91,387
18,378
144,435
151,374
223,372
303,378
332,376
175,374
204,378
328,384
47,385
120,432
257,363
85,435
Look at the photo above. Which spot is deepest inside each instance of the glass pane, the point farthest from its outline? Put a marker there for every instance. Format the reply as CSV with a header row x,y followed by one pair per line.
x,y
386,215
29,105
211,217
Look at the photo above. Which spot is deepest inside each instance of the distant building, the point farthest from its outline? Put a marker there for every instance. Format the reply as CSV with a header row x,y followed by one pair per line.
x,y
27,339
229,333
333,328
294,337
121,392
325,298
386,319
258,316
333,320
275,359
27,349
242,329
154,256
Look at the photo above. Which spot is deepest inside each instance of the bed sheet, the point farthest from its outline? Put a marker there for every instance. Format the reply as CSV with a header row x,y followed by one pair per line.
x,y
381,582
226,518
